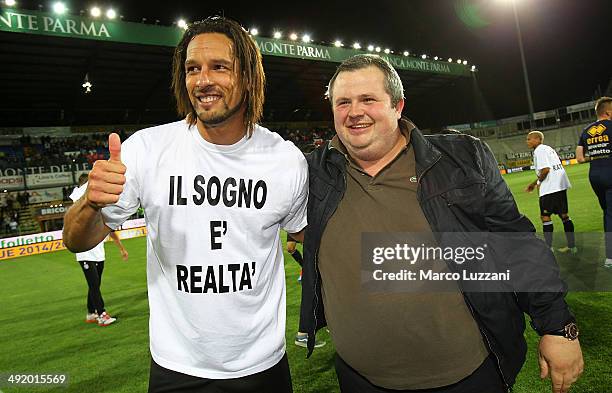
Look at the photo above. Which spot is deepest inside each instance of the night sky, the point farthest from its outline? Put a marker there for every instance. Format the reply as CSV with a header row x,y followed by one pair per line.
x,y
568,43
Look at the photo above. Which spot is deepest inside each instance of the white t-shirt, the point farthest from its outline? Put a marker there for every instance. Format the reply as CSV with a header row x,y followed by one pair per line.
x,y
545,156
96,254
215,270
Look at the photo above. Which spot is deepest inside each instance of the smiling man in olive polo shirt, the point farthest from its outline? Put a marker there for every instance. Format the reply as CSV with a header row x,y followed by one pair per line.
x,y
381,174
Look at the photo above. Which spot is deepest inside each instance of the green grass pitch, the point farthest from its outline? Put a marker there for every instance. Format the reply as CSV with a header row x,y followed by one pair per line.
x,y
42,307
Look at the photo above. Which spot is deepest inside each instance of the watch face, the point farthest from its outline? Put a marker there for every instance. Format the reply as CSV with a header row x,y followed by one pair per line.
x,y
571,331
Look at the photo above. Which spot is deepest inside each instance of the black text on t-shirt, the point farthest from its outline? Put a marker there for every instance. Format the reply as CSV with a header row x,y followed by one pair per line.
x,y
242,193
232,277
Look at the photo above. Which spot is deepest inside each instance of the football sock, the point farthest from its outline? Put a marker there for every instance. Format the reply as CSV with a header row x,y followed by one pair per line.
x,y
568,227
298,257
548,232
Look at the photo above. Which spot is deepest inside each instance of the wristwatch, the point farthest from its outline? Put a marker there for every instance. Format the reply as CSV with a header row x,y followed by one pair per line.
x,y
569,331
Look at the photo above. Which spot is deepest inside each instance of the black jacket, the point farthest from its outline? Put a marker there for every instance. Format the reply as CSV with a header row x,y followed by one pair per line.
x,y
460,189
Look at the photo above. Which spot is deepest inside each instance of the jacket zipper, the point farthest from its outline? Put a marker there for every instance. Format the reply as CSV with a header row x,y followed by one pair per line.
x,y
501,372
508,388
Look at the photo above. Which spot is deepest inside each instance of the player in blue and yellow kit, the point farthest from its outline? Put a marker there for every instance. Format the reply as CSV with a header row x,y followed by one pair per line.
x,y
596,141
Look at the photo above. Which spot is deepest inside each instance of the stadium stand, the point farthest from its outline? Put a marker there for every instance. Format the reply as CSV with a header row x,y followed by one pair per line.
x,y
505,148
308,139
506,137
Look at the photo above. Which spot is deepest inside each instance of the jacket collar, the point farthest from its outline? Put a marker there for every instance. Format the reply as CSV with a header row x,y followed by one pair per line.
x,y
425,153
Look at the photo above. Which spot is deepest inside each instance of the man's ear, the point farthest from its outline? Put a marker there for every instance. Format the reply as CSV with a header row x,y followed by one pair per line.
x,y
399,107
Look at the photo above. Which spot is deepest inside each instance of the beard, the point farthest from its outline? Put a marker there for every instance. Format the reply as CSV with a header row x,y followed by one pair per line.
x,y
212,119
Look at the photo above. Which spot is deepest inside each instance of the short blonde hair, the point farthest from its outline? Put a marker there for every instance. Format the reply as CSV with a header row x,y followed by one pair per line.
x,y
602,105
538,134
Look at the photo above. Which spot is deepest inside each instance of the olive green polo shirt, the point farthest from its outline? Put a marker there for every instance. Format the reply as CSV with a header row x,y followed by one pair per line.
x,y
396,340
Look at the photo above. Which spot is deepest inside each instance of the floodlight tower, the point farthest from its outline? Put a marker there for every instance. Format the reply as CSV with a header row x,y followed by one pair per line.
x,y
524,64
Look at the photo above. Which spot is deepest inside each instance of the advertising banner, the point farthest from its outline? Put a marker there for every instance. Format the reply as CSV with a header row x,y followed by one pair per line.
x,y
23,246
55,235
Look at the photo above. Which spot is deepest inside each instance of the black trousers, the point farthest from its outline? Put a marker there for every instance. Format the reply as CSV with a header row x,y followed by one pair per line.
x,y
601,181
93,274
485,379
276,379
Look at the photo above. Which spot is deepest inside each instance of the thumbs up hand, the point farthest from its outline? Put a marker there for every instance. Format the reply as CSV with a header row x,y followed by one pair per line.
x,y
107,177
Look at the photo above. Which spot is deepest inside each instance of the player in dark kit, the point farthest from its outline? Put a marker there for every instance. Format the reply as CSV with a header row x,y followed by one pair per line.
x,y
596,142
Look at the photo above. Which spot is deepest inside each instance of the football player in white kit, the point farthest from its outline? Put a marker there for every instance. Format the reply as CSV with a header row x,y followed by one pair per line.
x,y
552,183
209,184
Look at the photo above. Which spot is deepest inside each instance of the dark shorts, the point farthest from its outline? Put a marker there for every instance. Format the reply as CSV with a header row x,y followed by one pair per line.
x,y
276,379
555,203
485,379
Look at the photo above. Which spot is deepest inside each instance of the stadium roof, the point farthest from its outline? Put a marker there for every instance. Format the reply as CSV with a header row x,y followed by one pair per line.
x,y
46,58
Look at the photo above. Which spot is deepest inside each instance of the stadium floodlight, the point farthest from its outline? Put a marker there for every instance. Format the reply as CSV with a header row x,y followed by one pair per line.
x,y
387,50
306,38
278,35
356,45
377,49
182,24
406,53
473,68
450,59
338,43
59,7
253,31
87,84
10,3
436,58
111,13
458,61
293,36
371,48
423,56
464,62
95,12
